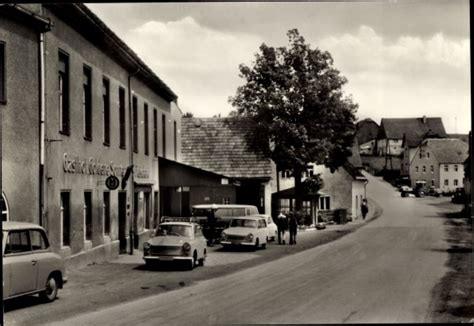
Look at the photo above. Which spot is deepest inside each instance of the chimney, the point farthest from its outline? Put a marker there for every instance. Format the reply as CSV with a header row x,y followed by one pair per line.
x,y
424,119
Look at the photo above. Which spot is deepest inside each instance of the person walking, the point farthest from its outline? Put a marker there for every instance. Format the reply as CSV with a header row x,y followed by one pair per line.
x,y
293,227
364,208
282,226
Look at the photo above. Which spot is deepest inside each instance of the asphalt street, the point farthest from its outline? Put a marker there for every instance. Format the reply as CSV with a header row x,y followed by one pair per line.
x,y
382,273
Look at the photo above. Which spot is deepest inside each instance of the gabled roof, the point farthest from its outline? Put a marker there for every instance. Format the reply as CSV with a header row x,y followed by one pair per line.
x,y
367,130
220,145
414,129
448,150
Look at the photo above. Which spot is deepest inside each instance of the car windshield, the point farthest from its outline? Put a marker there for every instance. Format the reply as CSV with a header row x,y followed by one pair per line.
x,y
174,230
244,223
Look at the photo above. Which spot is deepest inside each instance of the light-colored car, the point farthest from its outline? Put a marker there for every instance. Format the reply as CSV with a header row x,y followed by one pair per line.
x,y
272,230
176,241
246,231
29,265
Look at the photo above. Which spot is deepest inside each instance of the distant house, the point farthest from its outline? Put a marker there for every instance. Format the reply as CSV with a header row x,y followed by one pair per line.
x,y
343,189
393,131
366,134
220,146
440,162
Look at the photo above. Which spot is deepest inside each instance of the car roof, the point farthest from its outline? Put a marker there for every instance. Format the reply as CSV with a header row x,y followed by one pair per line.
x,y
249,217
7,226
178,223
222,206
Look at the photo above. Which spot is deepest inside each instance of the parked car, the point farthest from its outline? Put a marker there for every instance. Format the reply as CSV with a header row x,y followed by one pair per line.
x,y
458,196
176,240
272,229
29,265
223,214
248,231
432,191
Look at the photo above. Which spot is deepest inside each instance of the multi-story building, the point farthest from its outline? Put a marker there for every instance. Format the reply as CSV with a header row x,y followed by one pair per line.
x,y
80,106
440,163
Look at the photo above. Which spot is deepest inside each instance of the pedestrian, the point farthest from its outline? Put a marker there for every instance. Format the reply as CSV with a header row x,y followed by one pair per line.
x,y
211,223
282,226
364,208
293,227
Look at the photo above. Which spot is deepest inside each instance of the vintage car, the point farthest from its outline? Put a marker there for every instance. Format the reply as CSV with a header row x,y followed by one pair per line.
x,y
248,231
223,214
272,230
29,265
176,240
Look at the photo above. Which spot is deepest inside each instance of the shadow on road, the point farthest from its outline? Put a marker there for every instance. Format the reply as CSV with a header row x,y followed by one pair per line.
x,y
25,302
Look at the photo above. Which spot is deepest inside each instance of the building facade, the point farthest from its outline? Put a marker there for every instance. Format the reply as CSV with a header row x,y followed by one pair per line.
x,y
102,112
440,163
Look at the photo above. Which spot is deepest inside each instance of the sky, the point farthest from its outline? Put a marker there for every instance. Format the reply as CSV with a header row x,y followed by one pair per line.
x,y
402,58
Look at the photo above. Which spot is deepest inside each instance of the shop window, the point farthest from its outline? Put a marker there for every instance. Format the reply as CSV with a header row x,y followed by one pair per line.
x,y
226,200
155,132
284,205
3,76
65,218
63,92
122,123
88,215
145,118
87,101
4,206
306,207
106,109
106,212
135,124
163,133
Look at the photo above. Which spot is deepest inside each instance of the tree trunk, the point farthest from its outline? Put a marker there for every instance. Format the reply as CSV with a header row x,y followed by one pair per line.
x,y
297,173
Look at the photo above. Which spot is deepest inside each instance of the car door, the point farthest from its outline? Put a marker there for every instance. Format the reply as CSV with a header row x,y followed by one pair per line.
x,y
21,263
45,260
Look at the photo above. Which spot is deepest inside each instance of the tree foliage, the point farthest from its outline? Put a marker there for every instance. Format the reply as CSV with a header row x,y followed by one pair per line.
x,y
294,97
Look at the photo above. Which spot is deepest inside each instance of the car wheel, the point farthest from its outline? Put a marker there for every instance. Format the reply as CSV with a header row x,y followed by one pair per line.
x,y
193,262
51,291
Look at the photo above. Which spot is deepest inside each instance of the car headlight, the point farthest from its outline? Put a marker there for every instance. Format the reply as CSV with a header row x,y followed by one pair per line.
x,y
186,247
224,236
146,246
250,237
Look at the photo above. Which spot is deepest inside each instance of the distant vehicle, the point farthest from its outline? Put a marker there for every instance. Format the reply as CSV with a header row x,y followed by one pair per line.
x,y
458,196
250,231
419,190
223,214
176,240
29,265
432,191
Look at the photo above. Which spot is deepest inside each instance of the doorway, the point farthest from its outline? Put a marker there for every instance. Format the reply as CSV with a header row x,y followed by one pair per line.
x,y
122,222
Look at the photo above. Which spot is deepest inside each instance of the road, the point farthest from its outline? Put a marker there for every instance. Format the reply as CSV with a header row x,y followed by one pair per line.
x,y
382,273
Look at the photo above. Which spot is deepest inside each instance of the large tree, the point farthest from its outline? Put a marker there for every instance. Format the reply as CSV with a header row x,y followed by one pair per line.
x,y
294,97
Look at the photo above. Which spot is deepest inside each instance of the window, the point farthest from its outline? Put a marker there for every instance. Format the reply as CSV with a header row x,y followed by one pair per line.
x,y
145,117
38,240
446,182
3,79
147,210
87,102
135,124
427,154
416,169
456,168
325,203
163,133
446,168
106,212
424,169
155,132
65,218
306,207
432,169
432,182
4,207
18,242
226,200
106,109
284,205
175,136
87,215
455,182
63,92
122,117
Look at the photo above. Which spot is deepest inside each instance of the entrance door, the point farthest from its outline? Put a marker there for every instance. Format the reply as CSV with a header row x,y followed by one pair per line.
x,y
122,222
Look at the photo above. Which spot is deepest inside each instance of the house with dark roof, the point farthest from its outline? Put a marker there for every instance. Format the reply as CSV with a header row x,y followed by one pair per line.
x,y
366,134
344,188
221,146
440,163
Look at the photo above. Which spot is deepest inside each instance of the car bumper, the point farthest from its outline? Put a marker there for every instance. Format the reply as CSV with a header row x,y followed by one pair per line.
x,y
237,243
166,258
